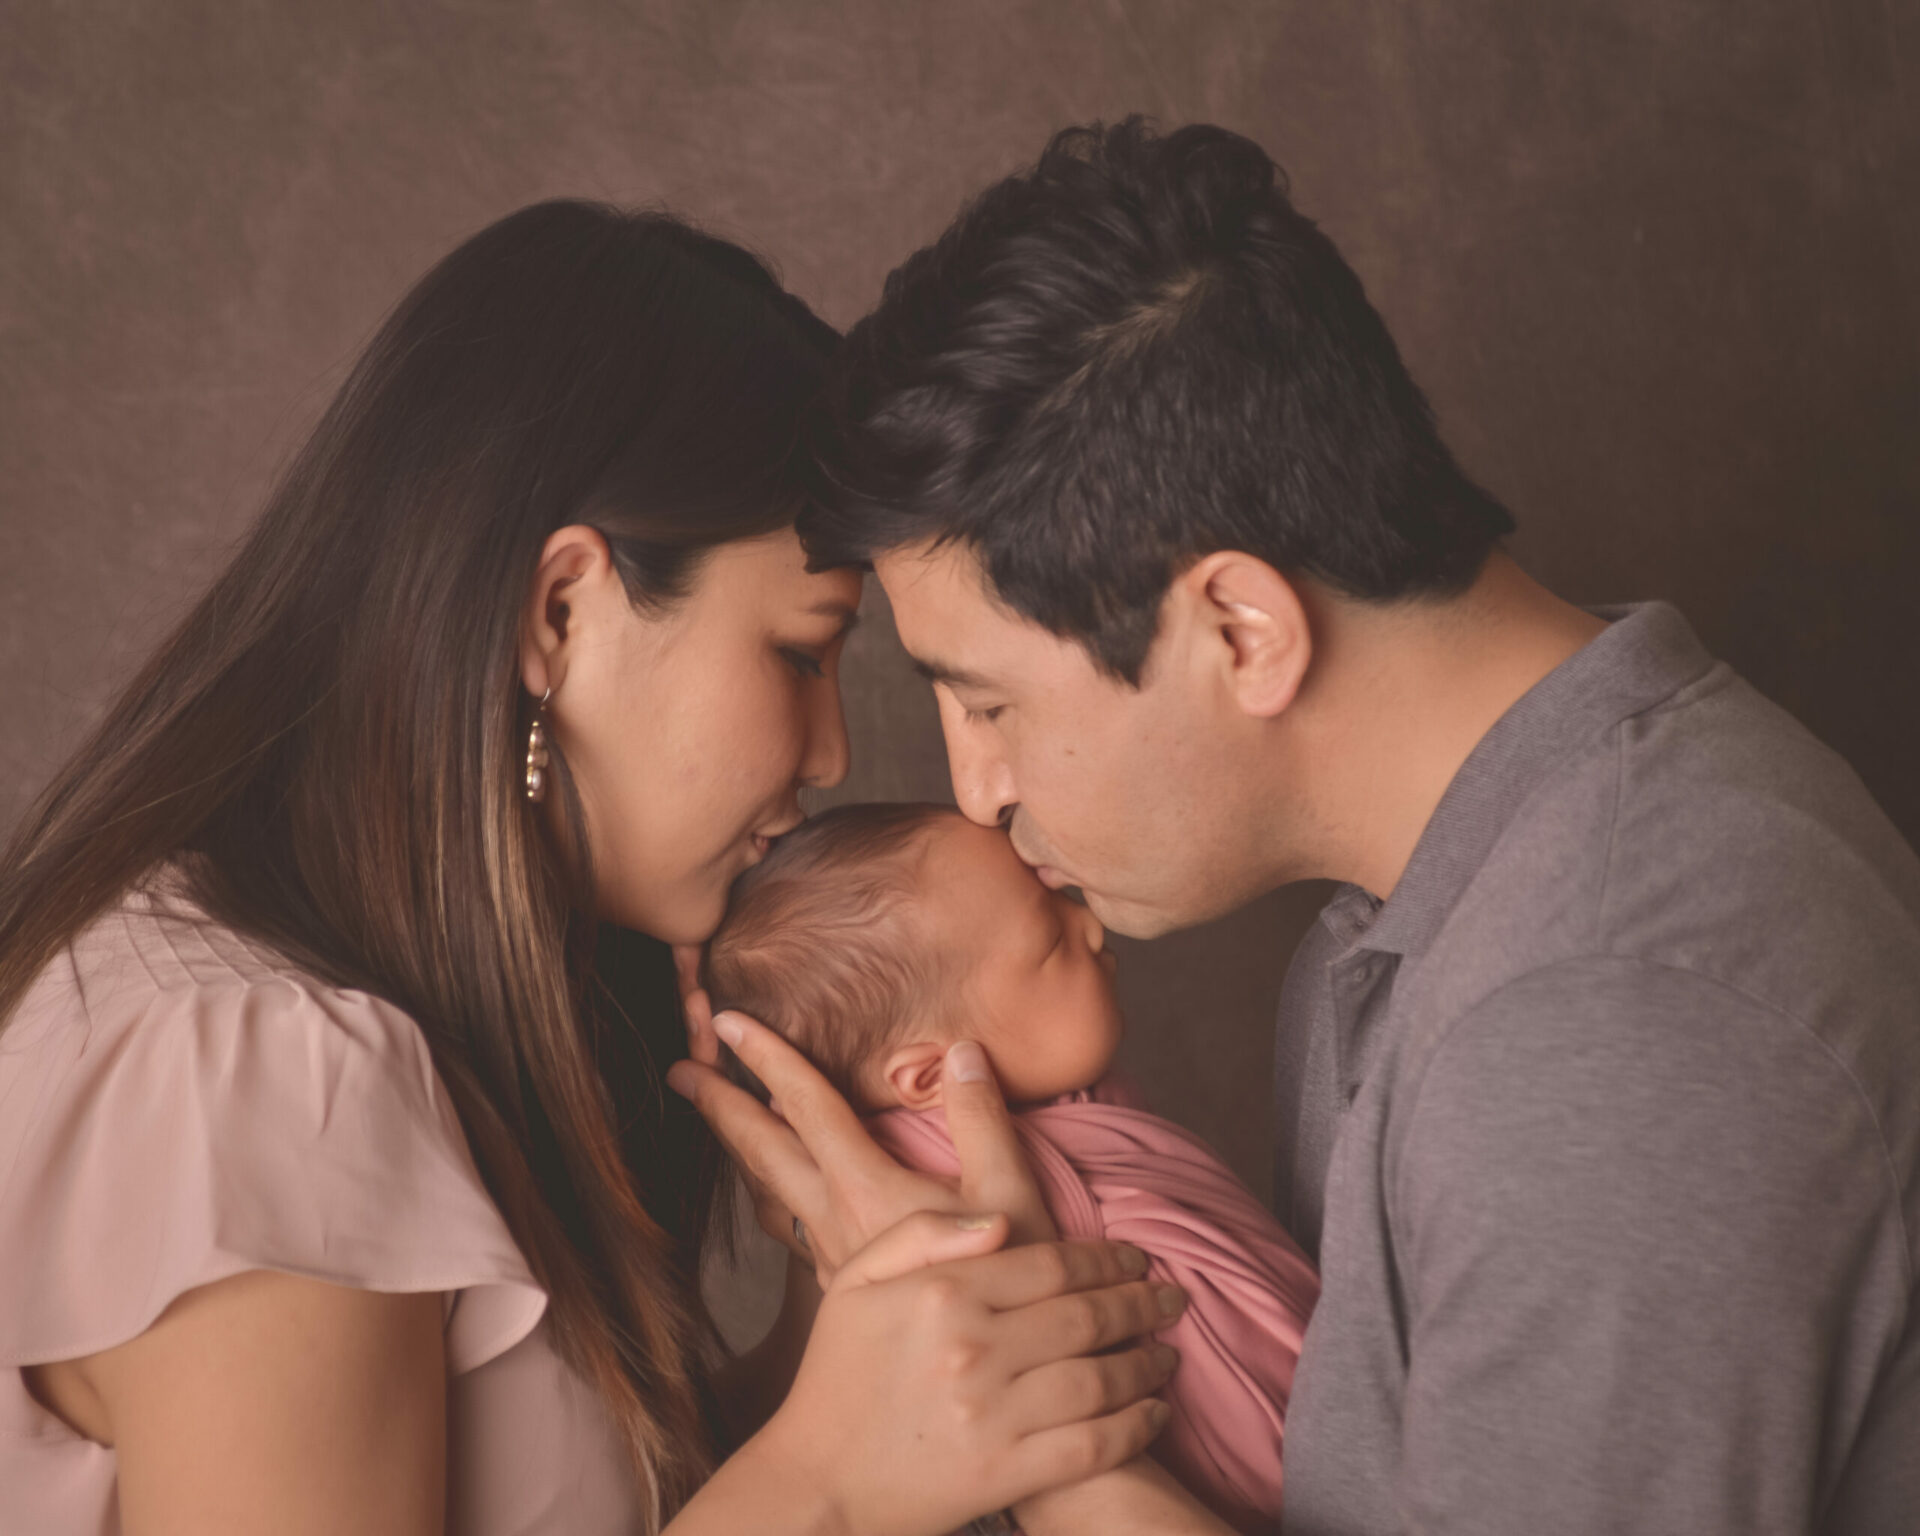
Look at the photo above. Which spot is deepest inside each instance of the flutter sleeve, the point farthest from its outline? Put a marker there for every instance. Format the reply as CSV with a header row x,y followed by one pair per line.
x,y
164,1127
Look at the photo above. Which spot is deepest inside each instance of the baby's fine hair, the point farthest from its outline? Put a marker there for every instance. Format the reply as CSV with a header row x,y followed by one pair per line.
x,y
822,940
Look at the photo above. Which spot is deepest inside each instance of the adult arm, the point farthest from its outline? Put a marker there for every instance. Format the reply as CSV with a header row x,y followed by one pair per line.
x,y
270,1403
1139,1499
942,1381
753,1384
1652,1261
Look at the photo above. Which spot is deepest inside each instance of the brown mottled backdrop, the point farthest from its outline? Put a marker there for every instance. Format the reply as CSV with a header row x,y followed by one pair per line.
x,y
1654,260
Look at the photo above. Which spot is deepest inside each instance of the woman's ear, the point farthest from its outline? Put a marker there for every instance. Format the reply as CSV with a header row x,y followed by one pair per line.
x,y
575,565
1253,627
912,1073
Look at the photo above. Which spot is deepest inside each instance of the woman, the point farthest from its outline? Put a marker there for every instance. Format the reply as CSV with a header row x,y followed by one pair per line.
x,y
336,1189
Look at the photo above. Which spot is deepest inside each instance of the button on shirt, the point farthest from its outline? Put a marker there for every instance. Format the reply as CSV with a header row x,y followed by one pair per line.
x,y
1606,1132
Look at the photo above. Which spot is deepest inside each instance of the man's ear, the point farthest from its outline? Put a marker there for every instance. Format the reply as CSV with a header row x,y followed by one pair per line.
x,y
575,565
912,1073
1252,625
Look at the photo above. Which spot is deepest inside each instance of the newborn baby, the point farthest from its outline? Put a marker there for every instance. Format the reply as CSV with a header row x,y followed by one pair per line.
x,y
875,936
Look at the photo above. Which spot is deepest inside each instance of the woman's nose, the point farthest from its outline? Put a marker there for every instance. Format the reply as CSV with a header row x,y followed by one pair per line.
x,y
829,754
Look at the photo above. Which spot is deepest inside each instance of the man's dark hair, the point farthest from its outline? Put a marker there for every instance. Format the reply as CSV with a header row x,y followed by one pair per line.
x,y
1120,361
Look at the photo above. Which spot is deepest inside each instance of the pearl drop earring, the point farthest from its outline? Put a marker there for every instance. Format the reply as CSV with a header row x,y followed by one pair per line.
x,y
537,752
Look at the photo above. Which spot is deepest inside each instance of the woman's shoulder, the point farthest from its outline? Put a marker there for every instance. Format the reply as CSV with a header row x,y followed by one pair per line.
x,y
155,962
183,1104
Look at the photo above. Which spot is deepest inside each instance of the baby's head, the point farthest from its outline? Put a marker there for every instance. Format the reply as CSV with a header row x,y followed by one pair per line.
x,y
875,936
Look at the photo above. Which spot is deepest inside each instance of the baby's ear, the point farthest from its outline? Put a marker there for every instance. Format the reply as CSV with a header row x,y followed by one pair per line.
x,y
912,1074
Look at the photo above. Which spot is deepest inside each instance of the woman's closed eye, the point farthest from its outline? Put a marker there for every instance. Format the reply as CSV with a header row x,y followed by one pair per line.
x,y
804,662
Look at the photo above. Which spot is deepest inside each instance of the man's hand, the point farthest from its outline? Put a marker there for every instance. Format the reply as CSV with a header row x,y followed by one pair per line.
x,y
814,1159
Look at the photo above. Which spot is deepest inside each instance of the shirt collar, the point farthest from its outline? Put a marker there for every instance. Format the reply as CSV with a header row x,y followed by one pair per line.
x,y
1646,654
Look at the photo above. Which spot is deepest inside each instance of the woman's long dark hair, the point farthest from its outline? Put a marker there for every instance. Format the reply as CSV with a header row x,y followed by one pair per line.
x,y
331,745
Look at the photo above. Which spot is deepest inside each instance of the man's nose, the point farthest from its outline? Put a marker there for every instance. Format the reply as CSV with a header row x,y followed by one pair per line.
x,y
982,784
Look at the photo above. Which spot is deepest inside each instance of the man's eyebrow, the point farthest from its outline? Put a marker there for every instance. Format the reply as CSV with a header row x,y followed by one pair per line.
x,y
953,677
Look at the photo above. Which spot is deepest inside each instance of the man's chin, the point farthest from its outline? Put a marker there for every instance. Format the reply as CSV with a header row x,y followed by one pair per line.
x,y
1124,917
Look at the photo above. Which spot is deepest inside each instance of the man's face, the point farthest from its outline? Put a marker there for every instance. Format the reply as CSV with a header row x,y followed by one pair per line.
x,y
1147,799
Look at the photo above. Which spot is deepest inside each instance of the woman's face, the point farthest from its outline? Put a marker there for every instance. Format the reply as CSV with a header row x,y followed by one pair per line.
x,y
689,732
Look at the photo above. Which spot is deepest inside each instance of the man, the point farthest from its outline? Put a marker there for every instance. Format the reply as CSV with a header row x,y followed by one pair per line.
x,y
1599,1080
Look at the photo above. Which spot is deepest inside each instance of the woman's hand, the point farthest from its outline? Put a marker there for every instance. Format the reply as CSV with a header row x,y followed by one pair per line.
x,y
942,1382
815,1161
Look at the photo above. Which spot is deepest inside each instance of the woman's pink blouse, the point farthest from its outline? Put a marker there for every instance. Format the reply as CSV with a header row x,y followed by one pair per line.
x,y
178,1106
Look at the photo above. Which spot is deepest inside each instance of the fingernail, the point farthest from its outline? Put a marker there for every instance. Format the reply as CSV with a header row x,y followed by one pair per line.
x,y
967,1063
1165,1358
1132,1260
1158,1414
1170,1299
727,1027
678,1081
973,1223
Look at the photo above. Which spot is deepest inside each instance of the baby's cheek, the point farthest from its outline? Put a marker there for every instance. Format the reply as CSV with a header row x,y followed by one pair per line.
x,y
1096,1043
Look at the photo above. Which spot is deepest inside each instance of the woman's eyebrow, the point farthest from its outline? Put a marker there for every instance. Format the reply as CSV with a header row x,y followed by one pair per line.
x,y
849,617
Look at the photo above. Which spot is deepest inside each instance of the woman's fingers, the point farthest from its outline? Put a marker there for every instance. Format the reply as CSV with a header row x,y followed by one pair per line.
x,y
695,1006
919,1242
1070,1390
1074,1452
1041,1271
994,1174
686,967
770,1155
1086,1321
808,1102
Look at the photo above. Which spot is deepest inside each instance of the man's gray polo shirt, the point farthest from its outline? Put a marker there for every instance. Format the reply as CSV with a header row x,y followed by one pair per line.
x,y
1613,1113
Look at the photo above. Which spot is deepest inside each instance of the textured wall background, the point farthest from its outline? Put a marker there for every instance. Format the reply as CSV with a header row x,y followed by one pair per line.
x,y
1654,261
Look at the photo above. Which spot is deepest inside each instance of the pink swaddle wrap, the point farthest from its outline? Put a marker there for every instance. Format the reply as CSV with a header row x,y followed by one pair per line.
x,y
1110,1169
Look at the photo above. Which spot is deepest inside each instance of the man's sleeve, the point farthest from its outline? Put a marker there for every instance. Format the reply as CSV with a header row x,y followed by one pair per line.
x,y
1652,1257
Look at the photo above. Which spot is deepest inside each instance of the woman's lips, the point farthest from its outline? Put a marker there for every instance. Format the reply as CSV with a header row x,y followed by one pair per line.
x,y
1053,879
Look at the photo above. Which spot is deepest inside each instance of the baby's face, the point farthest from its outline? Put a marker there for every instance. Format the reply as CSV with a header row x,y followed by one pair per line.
x,y
1039,992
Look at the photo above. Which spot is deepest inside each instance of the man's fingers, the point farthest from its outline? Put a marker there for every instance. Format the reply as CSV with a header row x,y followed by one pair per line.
x,y
919,1241
773,1159
1086,1321
994,1175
